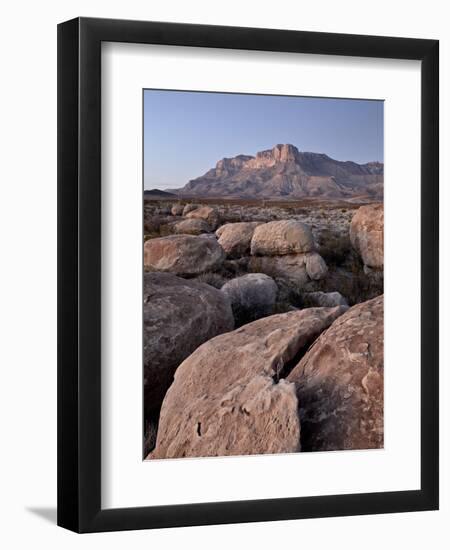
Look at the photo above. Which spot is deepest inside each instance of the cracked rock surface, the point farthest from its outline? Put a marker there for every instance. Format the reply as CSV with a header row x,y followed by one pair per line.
x,y
339,383
235,238
296,269
229,396
179,315
282,237
183,254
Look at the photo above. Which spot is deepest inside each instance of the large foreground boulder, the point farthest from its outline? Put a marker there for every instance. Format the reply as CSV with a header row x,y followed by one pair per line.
x,y
294,269
210,215
183,254
252,296
367,234
235,238
282,237
179,315
339,383
228,398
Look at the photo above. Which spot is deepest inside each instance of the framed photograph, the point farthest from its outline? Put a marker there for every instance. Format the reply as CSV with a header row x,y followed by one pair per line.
x,y
248,275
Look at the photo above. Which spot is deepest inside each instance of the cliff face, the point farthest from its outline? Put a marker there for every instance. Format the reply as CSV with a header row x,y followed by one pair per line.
x,y
284,171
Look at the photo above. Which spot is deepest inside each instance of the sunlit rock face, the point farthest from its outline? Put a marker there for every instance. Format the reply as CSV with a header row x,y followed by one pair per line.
x,y
339,383
284,171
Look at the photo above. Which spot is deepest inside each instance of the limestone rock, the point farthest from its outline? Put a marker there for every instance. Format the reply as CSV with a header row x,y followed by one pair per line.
x,y
210,215
315,266
339,383
227,397
192,227
179,315
183,254
189,208
295,269
252,296
235,238
366,234
282,237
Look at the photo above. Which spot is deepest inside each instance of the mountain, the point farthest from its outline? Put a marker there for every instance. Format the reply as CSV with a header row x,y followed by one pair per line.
x,y
158,194
284,171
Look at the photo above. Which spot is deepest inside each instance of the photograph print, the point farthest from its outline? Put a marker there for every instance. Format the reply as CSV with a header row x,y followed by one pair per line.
x,y
263,229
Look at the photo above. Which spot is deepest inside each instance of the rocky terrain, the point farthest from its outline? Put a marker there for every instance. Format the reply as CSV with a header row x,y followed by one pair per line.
x,y
263,326
286,172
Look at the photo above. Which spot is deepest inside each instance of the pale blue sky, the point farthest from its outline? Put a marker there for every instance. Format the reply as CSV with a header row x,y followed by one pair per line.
x,y
186,133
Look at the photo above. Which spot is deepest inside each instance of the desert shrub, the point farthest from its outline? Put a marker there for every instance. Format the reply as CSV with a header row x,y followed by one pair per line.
x,y
166,229
355,285
363,287
289,296
301,211
234,268
334,248
152,225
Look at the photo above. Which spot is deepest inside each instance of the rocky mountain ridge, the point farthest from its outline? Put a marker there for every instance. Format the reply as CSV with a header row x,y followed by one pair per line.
x,y
284,171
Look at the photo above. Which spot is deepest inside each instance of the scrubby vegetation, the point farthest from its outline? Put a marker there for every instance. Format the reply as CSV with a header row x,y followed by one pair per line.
x,y
335,248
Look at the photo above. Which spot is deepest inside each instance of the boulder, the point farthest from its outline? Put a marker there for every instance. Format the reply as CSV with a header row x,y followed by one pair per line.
x,y
179,315
192,227
208,236
252,296
210,215
324,299
367,234
183,254
177,210
189,208
294,269
227,397
282,237
339,383
315,266
235,238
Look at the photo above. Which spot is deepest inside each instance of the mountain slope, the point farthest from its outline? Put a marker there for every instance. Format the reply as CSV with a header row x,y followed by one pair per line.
x,y
158,194
284,171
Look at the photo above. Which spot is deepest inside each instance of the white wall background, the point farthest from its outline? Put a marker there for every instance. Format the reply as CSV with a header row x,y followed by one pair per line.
x,y
28,270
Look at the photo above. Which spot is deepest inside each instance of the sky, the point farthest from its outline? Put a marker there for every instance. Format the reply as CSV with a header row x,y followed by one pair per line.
x,y
186,133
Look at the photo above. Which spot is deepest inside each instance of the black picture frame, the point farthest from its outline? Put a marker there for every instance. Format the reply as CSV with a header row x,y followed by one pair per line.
x,y
79,274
